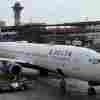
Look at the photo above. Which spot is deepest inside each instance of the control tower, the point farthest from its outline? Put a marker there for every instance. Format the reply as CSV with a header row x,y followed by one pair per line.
x,y
17,8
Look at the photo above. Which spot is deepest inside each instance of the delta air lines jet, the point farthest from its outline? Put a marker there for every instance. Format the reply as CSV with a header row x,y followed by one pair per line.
x,y
66,61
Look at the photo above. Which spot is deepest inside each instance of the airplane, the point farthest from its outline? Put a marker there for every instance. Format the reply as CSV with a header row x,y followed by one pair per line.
x,y
62,60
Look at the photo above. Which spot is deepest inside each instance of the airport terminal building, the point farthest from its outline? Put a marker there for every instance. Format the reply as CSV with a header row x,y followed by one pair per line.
x,y
86,32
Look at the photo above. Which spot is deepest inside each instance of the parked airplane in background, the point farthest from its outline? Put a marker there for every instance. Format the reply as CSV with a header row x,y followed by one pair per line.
x,y
65,61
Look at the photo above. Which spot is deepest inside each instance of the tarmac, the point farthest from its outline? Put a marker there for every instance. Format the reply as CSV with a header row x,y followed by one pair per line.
x,y
47,89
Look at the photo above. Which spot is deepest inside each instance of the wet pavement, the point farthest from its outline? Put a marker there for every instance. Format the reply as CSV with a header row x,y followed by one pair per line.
x,y
44,89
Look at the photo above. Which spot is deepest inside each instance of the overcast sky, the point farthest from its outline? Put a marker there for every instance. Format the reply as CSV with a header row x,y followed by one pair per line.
x,y
51,11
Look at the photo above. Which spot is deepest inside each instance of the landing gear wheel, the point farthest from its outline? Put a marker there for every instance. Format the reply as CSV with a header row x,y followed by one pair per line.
x,y
91,91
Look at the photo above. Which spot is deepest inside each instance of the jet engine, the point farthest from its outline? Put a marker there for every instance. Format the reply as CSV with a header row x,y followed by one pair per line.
x,y
9,67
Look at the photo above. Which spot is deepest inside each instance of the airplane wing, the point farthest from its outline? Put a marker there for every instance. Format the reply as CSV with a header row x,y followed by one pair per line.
x,y
12,60
27,68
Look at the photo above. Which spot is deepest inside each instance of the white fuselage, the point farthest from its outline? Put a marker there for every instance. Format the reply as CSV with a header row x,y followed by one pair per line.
x,y
76,62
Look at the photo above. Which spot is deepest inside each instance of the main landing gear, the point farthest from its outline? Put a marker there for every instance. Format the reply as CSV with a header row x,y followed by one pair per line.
x,y
62,82
91,91
63,86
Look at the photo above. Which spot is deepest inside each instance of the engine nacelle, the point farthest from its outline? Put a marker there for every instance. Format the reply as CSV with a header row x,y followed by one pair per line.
x,y
9,67
14,69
